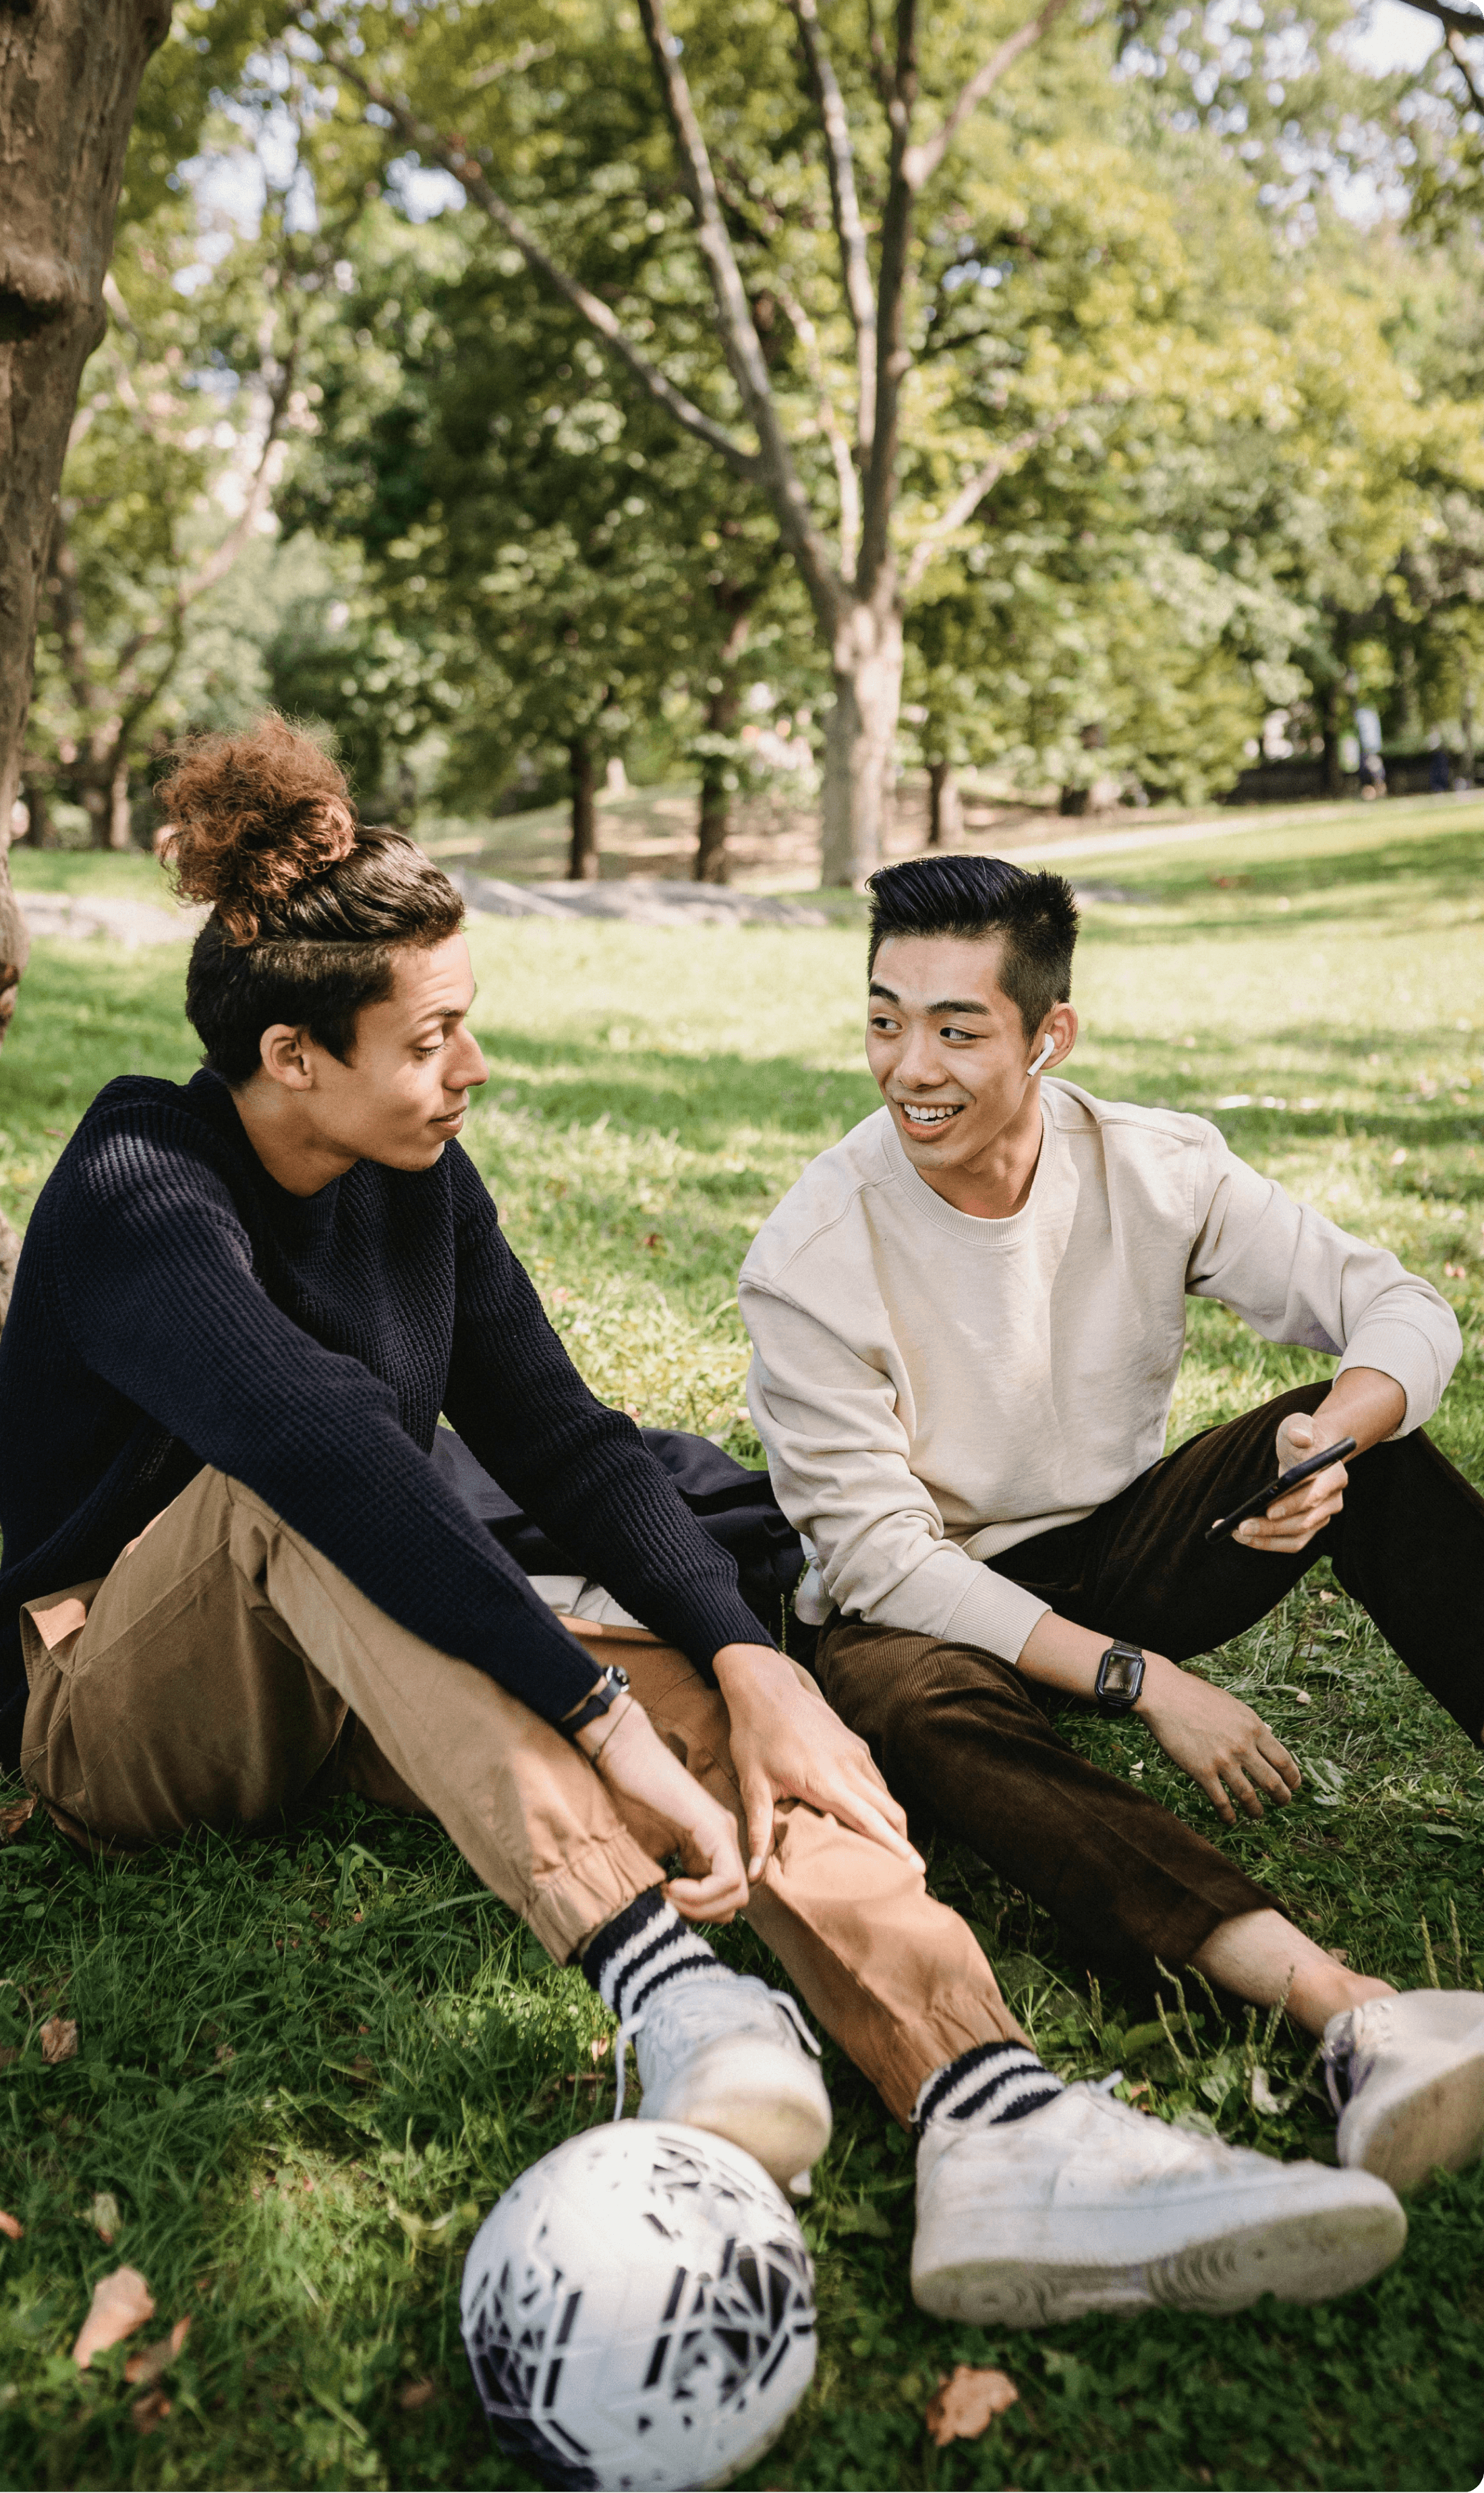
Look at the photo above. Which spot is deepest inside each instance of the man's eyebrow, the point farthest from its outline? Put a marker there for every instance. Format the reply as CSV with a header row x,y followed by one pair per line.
x,y
945,1004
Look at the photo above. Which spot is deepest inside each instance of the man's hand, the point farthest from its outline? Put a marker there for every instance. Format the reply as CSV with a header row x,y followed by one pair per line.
x,y
787,1744
1220,1742
1291,1522
1364,1403
633,1760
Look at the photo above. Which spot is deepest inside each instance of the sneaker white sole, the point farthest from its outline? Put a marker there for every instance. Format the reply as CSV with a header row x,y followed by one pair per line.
x,y
1039,2269
1401,2128
762,2097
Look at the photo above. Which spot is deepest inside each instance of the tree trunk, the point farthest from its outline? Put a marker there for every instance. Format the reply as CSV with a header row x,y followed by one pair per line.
x,y
120,817
859,737
715,819
1468,727
37,833
945,806
583,866
70,73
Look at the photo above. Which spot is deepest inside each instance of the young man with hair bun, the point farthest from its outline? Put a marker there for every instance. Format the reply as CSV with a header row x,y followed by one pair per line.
x,y
235,1580
967,1321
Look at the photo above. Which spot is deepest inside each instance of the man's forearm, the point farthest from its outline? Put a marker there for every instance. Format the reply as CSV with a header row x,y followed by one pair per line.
x,y
1062,1654
1363,1403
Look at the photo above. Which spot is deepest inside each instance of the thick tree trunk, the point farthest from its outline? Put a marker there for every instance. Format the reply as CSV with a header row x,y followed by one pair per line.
x,y
70,73
583,864
859,738
945,806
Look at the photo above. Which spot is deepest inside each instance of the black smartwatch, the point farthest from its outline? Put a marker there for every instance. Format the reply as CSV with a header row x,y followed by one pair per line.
x,y
1120,1677
606,1691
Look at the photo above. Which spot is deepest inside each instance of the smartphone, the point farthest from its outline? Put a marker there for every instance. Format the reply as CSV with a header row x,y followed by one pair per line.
x,y
1285,1480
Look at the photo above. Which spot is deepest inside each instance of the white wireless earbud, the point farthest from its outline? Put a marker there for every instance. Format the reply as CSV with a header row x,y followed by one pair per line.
x,y
1048,1048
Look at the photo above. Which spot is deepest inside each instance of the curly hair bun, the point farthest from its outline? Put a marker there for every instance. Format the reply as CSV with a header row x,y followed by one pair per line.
x,y
253,815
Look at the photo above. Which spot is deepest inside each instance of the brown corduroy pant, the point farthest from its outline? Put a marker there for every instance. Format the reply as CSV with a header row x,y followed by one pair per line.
x,y
223,1670
964,1740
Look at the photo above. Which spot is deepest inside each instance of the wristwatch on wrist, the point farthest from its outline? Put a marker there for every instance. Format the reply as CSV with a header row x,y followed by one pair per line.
x,y
1120,1677
603,1694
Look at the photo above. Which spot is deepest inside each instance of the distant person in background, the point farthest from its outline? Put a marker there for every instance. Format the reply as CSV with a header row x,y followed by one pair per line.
x,y
1439,768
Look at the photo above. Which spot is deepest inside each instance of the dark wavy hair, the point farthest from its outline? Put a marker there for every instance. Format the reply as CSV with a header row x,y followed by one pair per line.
x,y
308,907
1035,916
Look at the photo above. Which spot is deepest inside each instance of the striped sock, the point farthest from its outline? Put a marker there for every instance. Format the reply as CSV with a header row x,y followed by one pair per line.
x,y
644,1945
995,2082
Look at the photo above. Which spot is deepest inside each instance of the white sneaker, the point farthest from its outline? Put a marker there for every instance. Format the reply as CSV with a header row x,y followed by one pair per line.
x,y
719,2051
1087,2205
1406,2076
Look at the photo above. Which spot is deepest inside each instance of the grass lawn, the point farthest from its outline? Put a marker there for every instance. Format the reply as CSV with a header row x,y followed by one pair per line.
x,y
307,2066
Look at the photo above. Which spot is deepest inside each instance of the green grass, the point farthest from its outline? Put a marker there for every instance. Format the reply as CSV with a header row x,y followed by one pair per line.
x,y
307,2065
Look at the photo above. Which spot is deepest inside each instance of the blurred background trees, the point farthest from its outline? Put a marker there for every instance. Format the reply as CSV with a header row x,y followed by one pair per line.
x,y
1187,450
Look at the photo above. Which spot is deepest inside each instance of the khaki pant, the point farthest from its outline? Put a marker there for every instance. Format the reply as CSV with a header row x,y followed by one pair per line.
x,y
224,1671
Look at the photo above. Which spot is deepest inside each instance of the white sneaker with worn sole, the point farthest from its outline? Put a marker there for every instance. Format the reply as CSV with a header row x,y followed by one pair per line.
x,y
719,2051
1087,2205
1406,2076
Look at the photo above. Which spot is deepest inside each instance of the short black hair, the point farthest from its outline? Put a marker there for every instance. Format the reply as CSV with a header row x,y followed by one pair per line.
x,y
1034,914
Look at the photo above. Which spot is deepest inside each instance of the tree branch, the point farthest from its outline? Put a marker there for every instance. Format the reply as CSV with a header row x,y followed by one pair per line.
x,y
452,156
967,500
126,689
741,343
923,161
1457,22
845,205
833,431
892,355
1455,43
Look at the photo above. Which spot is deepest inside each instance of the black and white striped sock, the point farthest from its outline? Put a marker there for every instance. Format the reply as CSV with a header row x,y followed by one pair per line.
x,y
995,2082
644,1945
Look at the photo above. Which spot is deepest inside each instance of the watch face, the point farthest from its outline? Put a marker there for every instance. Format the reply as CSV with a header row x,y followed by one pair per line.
x,y
1118,1674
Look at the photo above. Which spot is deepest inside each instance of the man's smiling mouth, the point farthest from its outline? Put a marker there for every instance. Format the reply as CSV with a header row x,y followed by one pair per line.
x,y
928,1117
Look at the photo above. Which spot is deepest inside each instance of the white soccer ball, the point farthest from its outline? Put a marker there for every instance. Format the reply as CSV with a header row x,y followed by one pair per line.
x,y
639,2310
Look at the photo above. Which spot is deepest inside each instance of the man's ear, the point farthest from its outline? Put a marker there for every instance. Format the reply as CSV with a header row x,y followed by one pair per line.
x,y
1060,1027
285,1056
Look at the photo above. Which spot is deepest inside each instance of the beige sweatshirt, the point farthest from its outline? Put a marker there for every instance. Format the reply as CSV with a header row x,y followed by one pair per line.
x,y
932,1387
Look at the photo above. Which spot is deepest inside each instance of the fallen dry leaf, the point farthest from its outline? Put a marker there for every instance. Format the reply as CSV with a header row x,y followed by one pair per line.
x,y
11,1820
104,2215
966,2405
417,2393
152,2361
11,2226
150,2410
1342,1956
121,2303
59,2040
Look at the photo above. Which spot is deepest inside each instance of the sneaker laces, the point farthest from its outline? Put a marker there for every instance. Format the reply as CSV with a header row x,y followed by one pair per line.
x,y
689,2016
1373,2023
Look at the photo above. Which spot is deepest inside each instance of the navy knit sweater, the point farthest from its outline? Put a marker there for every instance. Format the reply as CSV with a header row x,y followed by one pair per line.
x,y
175,1306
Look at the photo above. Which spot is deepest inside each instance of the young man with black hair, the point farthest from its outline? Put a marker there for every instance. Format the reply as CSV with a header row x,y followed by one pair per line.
x,y
967,1320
